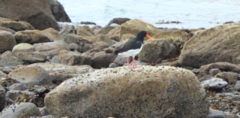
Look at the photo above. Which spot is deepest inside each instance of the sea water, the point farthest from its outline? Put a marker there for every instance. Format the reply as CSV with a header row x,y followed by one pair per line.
x,y
192,13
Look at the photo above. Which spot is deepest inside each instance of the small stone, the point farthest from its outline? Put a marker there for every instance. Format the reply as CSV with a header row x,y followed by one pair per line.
x,y
214,83
214,71
21,110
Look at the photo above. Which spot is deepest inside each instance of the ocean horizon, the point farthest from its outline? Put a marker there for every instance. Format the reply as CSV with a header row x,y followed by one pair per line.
x,y
191,13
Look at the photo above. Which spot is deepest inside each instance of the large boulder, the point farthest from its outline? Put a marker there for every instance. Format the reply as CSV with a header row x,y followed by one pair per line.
x,y
40,14
2,98
218,44
31,36
157,50
32,75
7,41
58,11
21,110
121,92
134,26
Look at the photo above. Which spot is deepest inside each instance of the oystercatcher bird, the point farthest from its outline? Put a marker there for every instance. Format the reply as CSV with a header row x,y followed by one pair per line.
x,y
133,47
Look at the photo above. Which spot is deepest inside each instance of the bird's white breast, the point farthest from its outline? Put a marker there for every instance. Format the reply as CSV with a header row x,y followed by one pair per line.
x,y
131,52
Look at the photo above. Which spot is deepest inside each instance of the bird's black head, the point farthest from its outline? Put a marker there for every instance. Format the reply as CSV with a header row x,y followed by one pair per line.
x,y
141,34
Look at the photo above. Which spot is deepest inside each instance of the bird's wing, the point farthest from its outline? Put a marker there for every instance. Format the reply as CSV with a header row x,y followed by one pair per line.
x,y
132,44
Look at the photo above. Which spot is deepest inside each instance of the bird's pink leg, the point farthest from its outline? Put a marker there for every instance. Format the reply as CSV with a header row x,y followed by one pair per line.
x,y
128,63
135,64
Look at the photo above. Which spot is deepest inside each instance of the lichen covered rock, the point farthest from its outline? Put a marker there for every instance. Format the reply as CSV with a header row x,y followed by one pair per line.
x,y
121,92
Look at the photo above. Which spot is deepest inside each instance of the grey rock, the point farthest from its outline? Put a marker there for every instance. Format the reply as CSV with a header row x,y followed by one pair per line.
x,y
20,110
214,83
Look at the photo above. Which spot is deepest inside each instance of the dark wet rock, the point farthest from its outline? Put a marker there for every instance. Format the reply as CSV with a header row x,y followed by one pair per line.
x,y
212,45
128,92
68,29
102,60
73,58
87,23
214,71
156,51
8,59
20,110
7,41
31,36
2,98
214,84
31,75
118,21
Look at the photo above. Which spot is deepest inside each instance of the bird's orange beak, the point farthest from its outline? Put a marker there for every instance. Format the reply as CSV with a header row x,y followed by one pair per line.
x,y
149,37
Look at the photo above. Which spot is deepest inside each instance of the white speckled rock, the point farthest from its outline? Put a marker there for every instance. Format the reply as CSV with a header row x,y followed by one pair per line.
x,y
146,92
214,83
22,110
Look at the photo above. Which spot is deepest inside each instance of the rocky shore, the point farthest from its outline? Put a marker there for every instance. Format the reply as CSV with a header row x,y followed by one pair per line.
x,y
47,71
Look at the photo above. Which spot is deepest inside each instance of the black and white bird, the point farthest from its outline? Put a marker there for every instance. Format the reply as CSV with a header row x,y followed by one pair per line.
x,y
133,47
